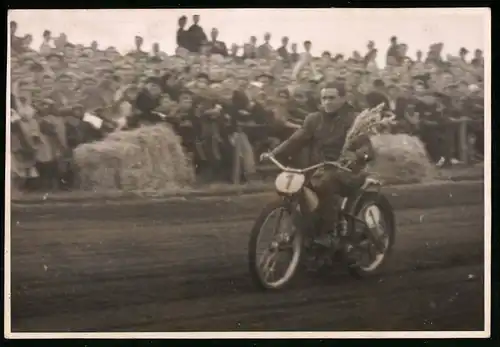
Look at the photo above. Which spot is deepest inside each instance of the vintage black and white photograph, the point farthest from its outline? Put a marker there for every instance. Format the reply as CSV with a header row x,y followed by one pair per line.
x,y
236,172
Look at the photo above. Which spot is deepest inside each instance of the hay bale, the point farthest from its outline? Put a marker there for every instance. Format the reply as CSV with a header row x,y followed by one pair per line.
x,y
148,158
401,159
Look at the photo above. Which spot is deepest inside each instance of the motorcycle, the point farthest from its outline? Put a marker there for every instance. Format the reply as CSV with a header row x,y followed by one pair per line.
x,y
362,238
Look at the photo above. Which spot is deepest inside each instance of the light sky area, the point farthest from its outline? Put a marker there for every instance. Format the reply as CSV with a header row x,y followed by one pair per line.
x,y
336,30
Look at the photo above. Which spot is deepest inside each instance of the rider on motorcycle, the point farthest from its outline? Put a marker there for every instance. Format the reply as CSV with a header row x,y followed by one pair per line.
x,y
324,133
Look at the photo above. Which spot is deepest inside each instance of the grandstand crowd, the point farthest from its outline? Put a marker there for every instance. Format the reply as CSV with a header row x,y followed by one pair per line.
x,y
64,94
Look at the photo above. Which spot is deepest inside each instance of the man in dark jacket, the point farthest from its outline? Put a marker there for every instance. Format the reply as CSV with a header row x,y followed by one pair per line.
x,y
196,35
147,101
182,33
216,46
325,132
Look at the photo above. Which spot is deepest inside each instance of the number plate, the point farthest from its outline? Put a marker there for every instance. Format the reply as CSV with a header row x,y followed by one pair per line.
x,y
372,216
289,183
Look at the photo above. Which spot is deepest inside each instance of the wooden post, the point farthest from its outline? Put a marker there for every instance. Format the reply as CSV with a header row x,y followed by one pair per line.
x,y
463,147
237,157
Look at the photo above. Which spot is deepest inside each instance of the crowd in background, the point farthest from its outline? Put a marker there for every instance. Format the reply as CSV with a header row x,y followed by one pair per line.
x,y
64,94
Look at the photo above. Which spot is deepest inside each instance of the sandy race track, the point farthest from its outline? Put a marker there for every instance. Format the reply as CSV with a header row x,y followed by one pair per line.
x,y
179,266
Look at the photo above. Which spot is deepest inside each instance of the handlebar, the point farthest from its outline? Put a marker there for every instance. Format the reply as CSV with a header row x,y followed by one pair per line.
x,y
307,169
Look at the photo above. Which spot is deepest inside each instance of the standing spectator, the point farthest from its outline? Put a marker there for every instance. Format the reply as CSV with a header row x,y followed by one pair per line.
x,y
196,35
392,57
94,45
60,42
371,47
26,42
370,60
182,34
54,173
463,54
250,49
15,41
434,56
283,50
215,46
234,52
157,53
294,56
419,56
138,53
403,58
47,45
264,51
478,60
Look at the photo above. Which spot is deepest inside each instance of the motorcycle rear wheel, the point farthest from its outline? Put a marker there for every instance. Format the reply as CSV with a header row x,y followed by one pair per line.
x,y
293,244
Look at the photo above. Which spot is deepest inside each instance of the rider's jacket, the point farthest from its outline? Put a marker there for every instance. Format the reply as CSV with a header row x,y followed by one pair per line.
x,y
324,135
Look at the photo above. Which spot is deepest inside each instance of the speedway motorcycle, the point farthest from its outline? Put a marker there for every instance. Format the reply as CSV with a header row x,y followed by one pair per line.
x,y
362,238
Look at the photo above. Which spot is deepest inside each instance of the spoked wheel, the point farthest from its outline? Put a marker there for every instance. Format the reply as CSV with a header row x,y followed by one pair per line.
x,y
275,247
373,240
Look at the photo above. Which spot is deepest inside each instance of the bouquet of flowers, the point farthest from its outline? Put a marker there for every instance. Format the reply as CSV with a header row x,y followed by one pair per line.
x,y
370,122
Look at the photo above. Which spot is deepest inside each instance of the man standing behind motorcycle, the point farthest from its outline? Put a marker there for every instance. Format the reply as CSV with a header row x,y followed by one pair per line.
x,y
324,133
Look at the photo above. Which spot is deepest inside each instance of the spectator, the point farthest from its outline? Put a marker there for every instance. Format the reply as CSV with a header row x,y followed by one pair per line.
x,y
15,41
94,46
60,42
215,46
196,35
393,52
63,94
264,51
370,60
157,53
377,95
47,45
148,99
419,56
434,55
283,50
138,53
478,60
26,42
250,49
55,171
403,58
294,56
182,34
463,54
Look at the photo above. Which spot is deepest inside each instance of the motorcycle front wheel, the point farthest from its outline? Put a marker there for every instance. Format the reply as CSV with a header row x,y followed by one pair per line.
x,y
285,241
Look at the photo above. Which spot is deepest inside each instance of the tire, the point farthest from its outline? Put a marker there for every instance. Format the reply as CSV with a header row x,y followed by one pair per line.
x,y
387,213
253,261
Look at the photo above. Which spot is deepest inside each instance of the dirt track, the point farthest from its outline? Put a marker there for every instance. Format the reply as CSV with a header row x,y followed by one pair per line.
x,y
134,269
